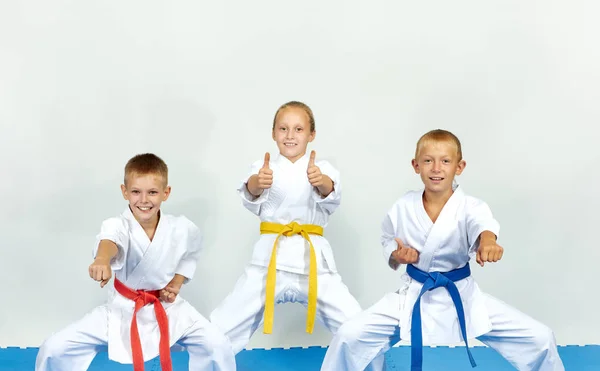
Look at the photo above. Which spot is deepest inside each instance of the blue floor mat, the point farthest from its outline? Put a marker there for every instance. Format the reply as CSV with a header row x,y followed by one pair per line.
x,y
575,358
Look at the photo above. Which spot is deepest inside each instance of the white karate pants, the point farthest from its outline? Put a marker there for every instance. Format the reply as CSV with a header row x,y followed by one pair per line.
x,y
526,343
74,347
241,313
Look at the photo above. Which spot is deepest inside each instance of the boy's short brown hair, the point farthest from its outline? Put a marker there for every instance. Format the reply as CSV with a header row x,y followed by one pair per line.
x,y
146,163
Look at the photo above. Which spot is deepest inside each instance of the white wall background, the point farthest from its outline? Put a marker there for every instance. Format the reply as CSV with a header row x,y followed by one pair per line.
x,y
85,85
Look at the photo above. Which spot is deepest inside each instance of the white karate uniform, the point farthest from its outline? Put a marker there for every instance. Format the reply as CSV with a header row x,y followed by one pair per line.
x,y
443,246
291,198
141,264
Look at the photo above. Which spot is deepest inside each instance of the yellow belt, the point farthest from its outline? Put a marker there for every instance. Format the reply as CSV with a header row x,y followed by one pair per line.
x,y
290,230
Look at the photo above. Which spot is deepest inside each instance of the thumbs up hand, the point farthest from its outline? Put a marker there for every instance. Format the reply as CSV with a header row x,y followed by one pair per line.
x,y
315,177
322,182
261,181
265,175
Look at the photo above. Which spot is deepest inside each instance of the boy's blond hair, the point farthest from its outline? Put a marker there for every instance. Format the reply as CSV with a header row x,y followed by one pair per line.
x,y
439,135
146,163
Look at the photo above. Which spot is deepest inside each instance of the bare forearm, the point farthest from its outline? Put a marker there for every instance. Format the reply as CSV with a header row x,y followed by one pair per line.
x,y
327,186
107,250
178,280
253,187
486,237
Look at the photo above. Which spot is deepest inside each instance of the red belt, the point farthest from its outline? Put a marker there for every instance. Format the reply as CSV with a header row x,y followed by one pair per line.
x,y
141,299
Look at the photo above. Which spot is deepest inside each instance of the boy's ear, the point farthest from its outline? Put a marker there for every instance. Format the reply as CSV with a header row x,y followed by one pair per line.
x,y
167,193
415,166
461,167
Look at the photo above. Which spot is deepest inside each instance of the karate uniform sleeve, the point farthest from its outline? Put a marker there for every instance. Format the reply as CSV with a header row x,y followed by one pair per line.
x,y
479,219
388,233
250,202
115,230
333,200
193,247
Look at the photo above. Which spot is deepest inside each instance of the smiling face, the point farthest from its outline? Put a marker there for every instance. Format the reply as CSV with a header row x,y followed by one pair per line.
x,y
292,132
145,193
438,162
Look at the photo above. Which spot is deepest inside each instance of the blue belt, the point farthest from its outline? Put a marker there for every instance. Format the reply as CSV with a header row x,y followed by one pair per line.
x,y
430,281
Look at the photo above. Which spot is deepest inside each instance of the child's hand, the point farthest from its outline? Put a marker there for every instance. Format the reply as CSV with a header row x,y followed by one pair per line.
x,y
265,175
322,182
315,177
489,251
100,271
169,293
404,254
261,181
